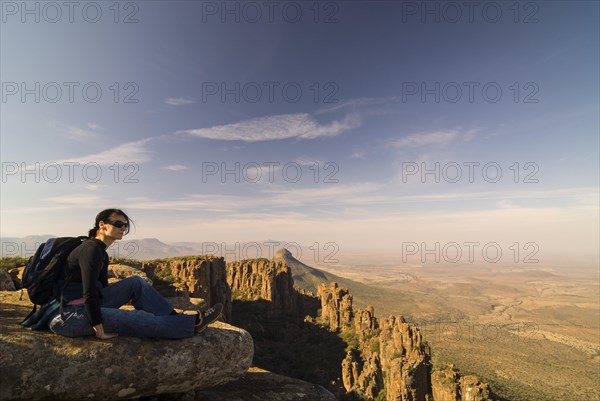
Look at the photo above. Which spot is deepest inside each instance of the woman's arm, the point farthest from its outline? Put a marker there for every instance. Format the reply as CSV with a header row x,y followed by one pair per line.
x,y
91,262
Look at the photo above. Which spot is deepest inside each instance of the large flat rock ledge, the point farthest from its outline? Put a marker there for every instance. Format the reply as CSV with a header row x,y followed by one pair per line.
x,y
45,366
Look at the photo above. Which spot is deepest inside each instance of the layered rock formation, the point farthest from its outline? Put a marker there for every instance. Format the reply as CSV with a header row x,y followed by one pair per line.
x,y
265,279
390,357
404,360
448,385
41,365
192,276
385,359
119,271
336,305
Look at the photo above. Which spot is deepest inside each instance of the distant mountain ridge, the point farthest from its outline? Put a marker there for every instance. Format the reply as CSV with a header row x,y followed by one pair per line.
x,y
152,248
308,278
139,249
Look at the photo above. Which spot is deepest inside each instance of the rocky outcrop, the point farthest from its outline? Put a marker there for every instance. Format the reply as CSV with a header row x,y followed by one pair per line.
x,y
265,279
259,385
448,385
385,358
6,282
361,374
41,365
391,356
118,272
336,305
192,276
444,385
472,389
365,323
404,360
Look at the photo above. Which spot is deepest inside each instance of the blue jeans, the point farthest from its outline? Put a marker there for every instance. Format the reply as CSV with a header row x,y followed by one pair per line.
x,y
150,319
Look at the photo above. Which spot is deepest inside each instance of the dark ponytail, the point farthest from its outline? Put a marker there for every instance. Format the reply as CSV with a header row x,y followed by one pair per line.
x,y
105,216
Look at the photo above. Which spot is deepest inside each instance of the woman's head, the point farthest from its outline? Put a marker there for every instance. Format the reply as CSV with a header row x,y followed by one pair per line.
x,y
114,217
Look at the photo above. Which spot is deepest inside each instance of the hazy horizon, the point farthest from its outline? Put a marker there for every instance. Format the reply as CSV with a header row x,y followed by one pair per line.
x,y
328,255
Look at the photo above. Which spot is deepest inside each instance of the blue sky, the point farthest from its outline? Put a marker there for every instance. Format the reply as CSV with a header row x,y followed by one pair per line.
x,y
358,97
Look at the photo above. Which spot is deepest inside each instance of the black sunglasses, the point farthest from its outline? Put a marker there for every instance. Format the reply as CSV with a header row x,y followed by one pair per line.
x,y
118,224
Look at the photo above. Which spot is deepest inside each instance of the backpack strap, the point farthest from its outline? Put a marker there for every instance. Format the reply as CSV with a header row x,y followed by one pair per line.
x,y
30,314
62,291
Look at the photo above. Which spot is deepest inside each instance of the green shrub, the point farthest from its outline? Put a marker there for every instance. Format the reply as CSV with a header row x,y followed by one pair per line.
x,y
381,396
127,262
165,274
396,354
348,335
12,262
375,346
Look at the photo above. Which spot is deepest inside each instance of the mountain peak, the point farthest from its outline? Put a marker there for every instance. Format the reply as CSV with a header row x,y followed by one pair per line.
x,y
284,254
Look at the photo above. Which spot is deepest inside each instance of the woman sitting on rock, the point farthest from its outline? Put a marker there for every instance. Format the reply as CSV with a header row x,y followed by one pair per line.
x,y
91,305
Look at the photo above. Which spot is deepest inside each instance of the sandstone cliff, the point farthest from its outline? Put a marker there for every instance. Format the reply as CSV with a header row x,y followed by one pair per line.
x,y
385,359
336,305
389,356
448,385
265,279
192,276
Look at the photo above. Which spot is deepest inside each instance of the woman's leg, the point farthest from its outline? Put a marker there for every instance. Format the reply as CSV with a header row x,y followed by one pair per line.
x,y
141,294
152,317
139,323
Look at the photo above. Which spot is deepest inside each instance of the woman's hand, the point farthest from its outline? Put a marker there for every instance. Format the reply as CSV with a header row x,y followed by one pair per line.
x,y
99,329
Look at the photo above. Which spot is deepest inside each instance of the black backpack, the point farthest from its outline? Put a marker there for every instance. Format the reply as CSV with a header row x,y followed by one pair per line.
x,y
44,274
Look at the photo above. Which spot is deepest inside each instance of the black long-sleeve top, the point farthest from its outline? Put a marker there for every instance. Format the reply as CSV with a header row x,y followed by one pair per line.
x,y
87,273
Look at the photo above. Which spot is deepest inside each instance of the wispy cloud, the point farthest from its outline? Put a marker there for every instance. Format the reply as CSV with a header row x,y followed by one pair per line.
x,y
94,187
176,167
276,127
130,152
73,199
178,101
74,133
337,198
424,139
330,194
434,138
357,103
276,198
253,130
309,162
